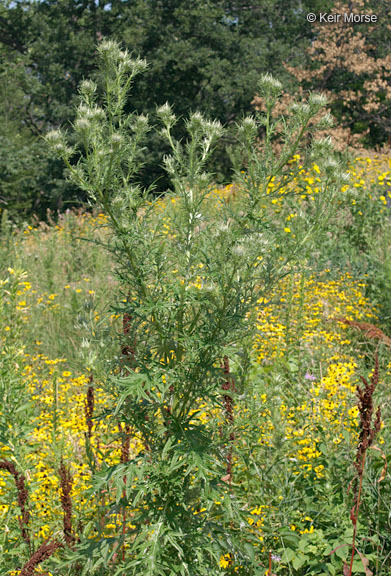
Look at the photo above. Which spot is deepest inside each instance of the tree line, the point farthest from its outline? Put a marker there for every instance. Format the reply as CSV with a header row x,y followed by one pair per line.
x,y
206,55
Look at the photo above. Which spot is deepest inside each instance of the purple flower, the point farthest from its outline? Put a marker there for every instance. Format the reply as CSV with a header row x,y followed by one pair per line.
x,y
310,377
276,558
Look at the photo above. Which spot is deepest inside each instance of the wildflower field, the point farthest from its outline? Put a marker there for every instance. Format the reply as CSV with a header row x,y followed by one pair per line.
x,y
185,389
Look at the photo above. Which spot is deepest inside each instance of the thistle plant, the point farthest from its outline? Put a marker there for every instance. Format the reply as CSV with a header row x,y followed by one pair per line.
x,y
193,266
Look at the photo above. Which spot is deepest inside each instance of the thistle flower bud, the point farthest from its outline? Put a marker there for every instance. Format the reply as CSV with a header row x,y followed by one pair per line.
x,y
300,109
248,128
88,87
90,112
331,164
270,89
138,65
269,85
97,113
140,122
54,136
239,250
222,227
116,139
78,174
166,114
82,124
169,164
326,121
109,48
333,169
57,141
213,129
317,100
249,123
196,122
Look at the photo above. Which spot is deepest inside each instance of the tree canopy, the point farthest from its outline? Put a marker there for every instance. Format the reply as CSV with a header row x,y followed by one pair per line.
x,y
206,55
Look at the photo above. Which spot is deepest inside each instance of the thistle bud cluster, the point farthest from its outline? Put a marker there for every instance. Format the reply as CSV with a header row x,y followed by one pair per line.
x,y
270,88
57,141
166,114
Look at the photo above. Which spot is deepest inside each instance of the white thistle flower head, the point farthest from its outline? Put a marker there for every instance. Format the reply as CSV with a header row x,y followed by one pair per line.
x,y
269,87
131,65
327,121
138,65
249,123
59,147
83,110
88,87
317,100
141,122
85,343
118,201
214,129
109,48
197,117
331,164
166,114
196,122
54,136
124,56
95,113
169,164
223,227
116,138
300,109
82,124
248,128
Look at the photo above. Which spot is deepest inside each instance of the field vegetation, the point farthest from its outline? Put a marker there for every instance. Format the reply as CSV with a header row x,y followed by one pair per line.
x,y
197,382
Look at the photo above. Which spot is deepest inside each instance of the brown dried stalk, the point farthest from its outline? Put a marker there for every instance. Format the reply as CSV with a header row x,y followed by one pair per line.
x,y
228,385
127,350
125,445
66,502
43,553
370,330
22,498
89,406
368,431
125,452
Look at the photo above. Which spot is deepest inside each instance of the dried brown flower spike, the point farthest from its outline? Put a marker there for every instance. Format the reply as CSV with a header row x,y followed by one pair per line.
x,y
369,427
20,482
43,553
66,502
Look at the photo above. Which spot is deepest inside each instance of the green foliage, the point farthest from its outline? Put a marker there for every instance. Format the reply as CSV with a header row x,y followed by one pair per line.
x,y
16,412
207,57
192,268
14,402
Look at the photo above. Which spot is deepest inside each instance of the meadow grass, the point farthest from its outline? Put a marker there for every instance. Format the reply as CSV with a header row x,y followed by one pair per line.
x,y
180,375
312,343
